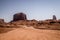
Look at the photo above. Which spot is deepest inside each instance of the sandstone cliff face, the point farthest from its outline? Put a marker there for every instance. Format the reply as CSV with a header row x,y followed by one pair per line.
x,y
19,16
54,17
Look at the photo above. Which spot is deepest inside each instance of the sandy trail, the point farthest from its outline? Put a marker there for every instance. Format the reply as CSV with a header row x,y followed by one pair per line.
x,y
31,34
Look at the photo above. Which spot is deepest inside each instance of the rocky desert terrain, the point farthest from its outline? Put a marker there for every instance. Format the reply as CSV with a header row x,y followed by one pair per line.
x,y
20,28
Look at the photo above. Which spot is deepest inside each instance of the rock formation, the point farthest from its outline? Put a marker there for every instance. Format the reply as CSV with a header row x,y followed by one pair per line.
x,y
1,21
54,17
19,16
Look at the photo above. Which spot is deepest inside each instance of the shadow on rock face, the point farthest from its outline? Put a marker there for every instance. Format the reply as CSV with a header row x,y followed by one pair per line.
x,y
19,16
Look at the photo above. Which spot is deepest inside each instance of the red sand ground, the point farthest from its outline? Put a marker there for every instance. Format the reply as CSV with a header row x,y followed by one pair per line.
x,y
30,34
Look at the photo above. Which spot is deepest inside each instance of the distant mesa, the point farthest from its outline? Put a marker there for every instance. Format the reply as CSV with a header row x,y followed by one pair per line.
x,y
20,19
1,21
19,16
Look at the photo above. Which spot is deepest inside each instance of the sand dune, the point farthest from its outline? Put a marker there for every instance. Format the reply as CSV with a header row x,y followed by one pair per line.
x,y
30,34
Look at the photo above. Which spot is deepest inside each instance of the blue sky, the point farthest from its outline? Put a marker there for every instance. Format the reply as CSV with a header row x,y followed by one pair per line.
x,y
34,9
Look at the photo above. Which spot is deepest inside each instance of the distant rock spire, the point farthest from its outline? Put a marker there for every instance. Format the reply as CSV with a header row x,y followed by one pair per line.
x,y
54,17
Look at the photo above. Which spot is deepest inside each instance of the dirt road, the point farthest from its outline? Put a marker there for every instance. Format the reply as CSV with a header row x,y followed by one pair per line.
x,y
30,34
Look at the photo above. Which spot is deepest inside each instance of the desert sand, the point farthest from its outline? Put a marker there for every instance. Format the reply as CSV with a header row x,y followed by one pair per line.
x,y
30,34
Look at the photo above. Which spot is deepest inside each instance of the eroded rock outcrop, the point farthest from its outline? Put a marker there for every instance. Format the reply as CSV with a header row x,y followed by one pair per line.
x,y
19,16
54,17
1,21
